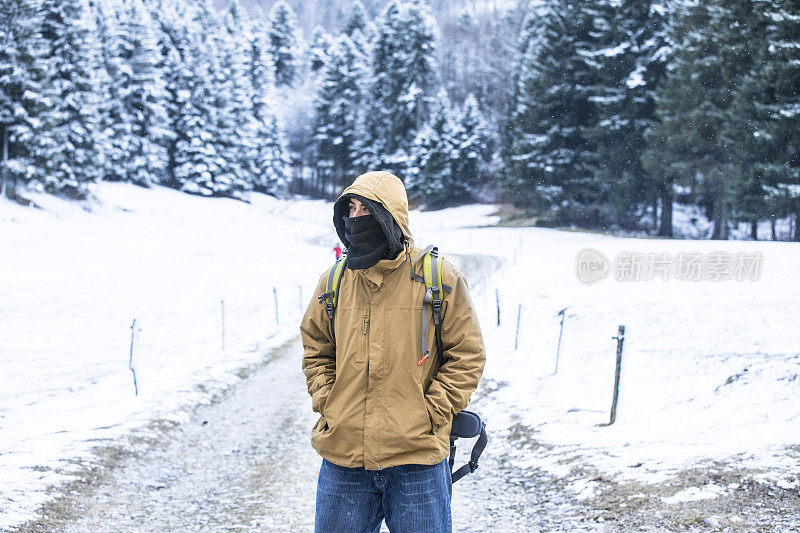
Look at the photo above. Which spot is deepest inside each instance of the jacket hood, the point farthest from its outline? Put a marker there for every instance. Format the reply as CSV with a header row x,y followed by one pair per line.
x,y
382,187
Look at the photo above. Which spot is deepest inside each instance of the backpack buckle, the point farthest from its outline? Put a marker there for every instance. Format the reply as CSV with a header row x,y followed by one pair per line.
x,y
435,301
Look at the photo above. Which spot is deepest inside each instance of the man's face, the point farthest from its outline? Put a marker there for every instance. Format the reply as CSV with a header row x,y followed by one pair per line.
x,y
357,209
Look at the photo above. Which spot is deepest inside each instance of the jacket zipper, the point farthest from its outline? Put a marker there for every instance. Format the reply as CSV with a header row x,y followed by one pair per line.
x,y
364,340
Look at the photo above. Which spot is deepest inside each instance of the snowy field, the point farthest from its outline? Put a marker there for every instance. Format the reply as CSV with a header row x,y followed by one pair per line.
x,y
710,370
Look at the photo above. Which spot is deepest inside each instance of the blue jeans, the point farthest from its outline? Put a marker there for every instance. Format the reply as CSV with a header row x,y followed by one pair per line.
x,y
412,499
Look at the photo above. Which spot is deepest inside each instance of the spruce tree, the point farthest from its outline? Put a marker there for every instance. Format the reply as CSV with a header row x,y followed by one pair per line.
x,y
239,140
403,75
782,129
283,43
106,69
714,51
138,117
430,172
260,60
272,163
64,145
218,158
630,64
318,49
181,81
357,20
548,153
472,151
22,93
747,131
337,108
199,163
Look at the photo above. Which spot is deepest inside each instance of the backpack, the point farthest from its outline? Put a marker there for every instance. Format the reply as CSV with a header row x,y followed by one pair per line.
x,y
466,424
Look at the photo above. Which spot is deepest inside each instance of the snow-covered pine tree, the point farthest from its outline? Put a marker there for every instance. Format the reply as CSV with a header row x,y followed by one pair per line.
x,y
272,163
22,96
260,60
713,52
200,166
337,108
180,82
748,129
403,75
357,19
218,159
417,56
318,48
102,13
547,153
782,129
372,149
362,153
138,132
240,142
430,171
362,32
630,63
283,41
65,142
472,151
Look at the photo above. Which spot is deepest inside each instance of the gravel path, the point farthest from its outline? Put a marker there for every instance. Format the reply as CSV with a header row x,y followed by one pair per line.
x,y
241,464
245,463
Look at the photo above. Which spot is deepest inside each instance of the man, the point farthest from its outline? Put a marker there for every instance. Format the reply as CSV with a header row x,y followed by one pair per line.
x,y
386,407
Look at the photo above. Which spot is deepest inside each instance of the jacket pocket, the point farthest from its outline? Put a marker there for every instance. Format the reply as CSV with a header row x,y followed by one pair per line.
x,y
321,426
327,403
437,422
429,416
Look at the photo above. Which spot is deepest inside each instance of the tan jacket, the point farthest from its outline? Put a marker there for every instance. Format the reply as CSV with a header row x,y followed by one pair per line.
x,y
378,407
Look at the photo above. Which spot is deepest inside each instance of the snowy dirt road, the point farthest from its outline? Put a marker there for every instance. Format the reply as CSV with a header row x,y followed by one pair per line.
x,y
245,463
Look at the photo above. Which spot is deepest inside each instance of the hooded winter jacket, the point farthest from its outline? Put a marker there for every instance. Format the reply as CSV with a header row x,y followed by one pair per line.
x,y
378,407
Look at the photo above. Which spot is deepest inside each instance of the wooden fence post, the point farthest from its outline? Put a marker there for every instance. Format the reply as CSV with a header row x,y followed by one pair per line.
x,y
562,314
130,359
497,299
620,339
275,294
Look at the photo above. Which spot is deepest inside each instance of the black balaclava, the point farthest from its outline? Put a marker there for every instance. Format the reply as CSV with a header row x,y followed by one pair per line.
x,y
365,245
368,243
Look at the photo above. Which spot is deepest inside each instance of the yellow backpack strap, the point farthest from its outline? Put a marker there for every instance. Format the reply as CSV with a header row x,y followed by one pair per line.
x,y
432,273
432,268
331,295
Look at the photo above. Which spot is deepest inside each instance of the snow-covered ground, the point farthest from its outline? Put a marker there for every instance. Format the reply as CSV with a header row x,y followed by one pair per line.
x,y
710,369
75,280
